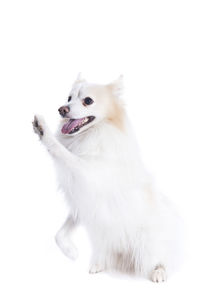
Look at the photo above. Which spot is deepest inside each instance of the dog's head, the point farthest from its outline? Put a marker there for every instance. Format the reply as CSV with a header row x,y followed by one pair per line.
x,y
89,104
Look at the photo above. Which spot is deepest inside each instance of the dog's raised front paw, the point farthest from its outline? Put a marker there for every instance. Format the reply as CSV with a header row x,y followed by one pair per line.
x,y
37,126
159,274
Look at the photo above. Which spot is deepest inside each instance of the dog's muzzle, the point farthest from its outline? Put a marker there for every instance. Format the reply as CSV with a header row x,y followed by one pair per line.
x,y
64,110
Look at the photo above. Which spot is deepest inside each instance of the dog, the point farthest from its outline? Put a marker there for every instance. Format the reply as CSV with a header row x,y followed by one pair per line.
x,y
131,225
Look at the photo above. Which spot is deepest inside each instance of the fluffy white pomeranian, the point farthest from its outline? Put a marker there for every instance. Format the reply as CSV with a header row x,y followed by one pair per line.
x,y
131,225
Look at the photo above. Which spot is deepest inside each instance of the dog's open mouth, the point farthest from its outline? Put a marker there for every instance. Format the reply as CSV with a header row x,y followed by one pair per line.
x,y
74,125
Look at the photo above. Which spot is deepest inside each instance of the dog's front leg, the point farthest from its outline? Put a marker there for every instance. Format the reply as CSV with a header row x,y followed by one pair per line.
x,y
63,238
54,147
60,153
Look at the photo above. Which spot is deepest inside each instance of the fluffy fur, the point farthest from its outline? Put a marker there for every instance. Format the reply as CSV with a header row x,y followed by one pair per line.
x,y
130,223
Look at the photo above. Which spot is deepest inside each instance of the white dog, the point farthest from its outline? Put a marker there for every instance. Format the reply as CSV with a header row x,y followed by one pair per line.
x,y
130,224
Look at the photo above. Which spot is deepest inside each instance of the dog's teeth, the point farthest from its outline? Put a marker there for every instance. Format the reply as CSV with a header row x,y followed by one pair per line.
x,y
84,121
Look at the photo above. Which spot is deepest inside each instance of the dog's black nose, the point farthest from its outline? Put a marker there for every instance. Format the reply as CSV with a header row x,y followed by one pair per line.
x,y
63,110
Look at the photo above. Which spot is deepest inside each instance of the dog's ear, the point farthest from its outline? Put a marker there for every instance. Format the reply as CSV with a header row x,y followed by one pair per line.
x,y
79,78
117,86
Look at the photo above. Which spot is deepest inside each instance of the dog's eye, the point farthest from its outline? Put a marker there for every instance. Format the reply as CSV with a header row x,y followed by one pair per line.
x,y
69,98
87,101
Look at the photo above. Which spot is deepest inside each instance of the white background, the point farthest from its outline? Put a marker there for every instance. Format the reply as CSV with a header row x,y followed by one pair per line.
x,y
44,44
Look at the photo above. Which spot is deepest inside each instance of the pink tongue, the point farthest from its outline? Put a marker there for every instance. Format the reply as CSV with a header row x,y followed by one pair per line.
x,y
71,124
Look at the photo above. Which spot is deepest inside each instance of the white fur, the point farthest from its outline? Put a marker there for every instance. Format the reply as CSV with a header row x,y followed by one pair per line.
x,y
130,223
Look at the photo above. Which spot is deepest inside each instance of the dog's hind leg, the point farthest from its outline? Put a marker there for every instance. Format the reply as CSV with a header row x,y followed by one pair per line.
x,y
63,238
159,274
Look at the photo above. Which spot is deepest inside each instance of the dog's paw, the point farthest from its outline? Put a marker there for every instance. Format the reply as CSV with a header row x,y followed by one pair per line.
x,y
159,274
38,125
95,268
67,248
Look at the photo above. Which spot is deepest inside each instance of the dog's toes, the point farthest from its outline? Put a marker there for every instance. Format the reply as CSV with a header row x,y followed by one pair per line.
x,y
95,268
37,127
159,274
